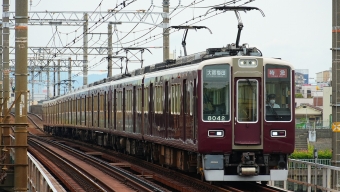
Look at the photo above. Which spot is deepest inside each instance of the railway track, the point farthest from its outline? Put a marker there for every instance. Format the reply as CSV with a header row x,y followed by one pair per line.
x,y
88,171
171,179
176,180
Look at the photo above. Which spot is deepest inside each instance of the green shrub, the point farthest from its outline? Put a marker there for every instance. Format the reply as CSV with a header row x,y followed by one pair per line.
x,y
308,154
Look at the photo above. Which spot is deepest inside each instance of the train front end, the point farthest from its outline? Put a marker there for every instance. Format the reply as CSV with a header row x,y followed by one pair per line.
x,y
246,123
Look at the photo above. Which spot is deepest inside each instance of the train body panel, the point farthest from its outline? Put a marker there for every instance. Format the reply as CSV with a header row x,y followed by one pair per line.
x,y
210,115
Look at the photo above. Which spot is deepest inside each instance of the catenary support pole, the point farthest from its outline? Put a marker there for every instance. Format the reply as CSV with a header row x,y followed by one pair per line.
x,y
85,45
69,74
48,80
20,130
6,70
109,56
1,78
32,91
166,42
58,77
335,85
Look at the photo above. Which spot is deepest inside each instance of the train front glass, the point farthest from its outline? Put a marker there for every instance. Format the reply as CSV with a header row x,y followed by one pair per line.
x,y
216,93
278,97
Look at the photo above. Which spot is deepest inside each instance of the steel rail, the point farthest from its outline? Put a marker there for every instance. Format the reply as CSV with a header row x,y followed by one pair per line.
x,y
79,176
108,169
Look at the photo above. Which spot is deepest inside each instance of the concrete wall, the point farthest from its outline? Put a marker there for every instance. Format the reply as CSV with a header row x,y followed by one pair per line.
x,y
37,109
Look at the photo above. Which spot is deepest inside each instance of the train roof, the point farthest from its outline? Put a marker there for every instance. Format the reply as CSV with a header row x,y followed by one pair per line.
x,y
210,53
230,50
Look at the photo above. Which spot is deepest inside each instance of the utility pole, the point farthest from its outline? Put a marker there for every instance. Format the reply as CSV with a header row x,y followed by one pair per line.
x,y
20,130
85,45
109,56
166,42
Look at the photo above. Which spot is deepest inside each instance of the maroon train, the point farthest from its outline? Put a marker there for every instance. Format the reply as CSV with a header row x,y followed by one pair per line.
x,y
206,113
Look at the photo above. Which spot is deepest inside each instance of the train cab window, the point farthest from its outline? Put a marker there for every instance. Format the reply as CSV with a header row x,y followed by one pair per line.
x,y
278,82
216,93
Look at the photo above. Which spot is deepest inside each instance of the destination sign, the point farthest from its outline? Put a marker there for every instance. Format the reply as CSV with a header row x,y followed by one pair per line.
x,y
277,73
218,73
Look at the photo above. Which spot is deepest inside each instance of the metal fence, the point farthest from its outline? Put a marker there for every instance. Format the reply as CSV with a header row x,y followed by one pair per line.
x,y
302,124
319,161
311,176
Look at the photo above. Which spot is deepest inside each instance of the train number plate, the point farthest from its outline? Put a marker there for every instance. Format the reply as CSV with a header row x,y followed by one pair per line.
x,y
215,118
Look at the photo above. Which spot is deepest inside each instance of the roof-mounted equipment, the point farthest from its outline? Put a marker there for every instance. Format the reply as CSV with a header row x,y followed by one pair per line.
x,y
187,27
236,10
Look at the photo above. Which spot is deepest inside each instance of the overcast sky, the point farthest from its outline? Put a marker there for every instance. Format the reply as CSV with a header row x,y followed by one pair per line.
x,y
298,31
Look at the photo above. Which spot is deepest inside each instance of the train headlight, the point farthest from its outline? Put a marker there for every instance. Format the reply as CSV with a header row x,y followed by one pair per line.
x,y
278,133
247,63
215,133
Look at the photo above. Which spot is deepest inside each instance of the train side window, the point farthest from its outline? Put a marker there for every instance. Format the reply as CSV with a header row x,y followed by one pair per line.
x,y
190,93
119,101
175,99
159,99
95,102
146,99
139,100
172,98
129,100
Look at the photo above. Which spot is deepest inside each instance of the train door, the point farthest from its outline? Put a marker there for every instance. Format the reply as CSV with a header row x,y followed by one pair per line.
x,y
185,110
124,110
134,112
166,108
99,109
109,109
85,110
151,109
115,109
105,107
247,129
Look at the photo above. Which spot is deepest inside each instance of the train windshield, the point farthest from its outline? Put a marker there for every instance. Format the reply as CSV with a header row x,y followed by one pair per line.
x,y
278,82
216,93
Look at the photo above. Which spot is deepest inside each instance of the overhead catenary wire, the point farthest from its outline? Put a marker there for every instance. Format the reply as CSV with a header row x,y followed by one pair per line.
x,y
148,40
124,4
186,22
